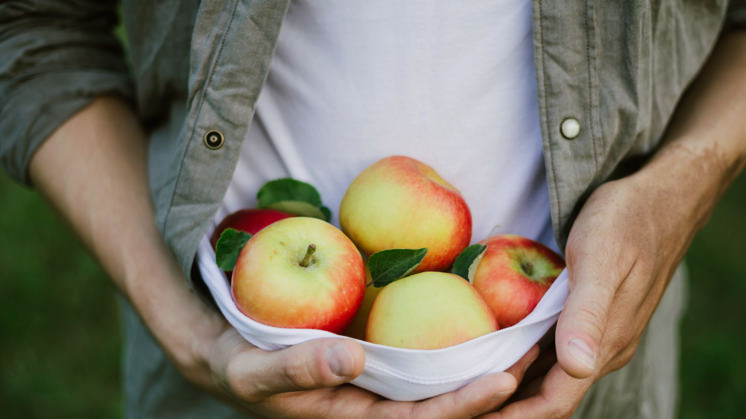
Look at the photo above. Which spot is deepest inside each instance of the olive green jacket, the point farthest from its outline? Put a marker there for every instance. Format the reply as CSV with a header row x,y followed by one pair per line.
x,y
197,67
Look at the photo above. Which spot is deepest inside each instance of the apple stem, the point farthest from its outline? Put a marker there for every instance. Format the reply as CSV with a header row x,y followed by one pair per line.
x,y
307,258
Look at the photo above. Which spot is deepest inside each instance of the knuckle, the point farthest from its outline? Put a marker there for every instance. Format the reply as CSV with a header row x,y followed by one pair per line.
x,y
300,373
624,357
593,315
617,341
237,383
623,347
243,385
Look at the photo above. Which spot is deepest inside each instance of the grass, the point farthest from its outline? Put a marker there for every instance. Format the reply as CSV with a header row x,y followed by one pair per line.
x,y
713,338
60,336
59,330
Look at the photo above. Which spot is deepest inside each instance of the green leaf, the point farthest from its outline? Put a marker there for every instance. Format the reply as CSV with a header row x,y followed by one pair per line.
x,y
387,266
228,247
287,189
327,212
467,261
302,209
294,197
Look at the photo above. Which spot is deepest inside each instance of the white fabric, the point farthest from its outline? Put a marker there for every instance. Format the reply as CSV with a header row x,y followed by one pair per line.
x,y
395,373
451,84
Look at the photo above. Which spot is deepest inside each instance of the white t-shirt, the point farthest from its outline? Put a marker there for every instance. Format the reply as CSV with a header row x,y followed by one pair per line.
x,y
451,84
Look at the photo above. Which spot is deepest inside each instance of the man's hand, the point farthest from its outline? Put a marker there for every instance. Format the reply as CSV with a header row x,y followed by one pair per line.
x,y
306,381
622,251
632,233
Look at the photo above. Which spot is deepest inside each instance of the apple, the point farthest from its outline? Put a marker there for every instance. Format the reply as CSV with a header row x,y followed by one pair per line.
x,y
428,310
513,274
356,328
249,220
299,272
399,202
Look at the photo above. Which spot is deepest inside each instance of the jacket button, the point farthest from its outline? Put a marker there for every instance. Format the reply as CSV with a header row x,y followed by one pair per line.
x,y
570,128
214,140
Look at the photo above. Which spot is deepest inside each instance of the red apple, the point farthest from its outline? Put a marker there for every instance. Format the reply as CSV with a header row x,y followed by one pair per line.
x,y
249,220
399,202
513,274
299,272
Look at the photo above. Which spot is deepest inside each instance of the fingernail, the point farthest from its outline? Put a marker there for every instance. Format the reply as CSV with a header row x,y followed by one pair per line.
x,y
582,352
340,360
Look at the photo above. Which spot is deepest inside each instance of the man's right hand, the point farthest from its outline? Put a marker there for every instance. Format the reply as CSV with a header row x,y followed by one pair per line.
x,y
307,381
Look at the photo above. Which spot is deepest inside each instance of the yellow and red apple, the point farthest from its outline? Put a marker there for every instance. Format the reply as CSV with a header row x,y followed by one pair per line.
x,y
428,310
399,202
513,274
299,272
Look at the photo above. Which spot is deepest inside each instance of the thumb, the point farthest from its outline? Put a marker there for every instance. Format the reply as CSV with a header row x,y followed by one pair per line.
x,y
314,364
582,323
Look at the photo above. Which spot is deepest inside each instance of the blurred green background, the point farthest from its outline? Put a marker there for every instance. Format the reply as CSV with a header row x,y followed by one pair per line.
x,y
60,335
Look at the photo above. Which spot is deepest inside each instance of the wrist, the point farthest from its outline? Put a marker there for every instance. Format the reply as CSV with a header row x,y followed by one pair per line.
x,y
687,176
182,323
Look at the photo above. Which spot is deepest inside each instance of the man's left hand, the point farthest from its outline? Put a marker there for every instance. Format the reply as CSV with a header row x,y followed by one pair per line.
x,y
621,253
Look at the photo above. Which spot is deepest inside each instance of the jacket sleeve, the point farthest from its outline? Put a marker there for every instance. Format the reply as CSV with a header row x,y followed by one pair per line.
x,y
736,15
57,56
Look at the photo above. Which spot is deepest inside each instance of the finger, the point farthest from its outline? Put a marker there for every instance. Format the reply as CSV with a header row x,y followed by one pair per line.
x,y
483,395
518,370
628,319
582,323
559,396
256,374
546,359
528,388
345,401
541,366
534,376
479,396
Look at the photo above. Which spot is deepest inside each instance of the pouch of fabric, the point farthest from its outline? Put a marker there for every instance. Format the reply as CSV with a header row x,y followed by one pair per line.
x,y
396,373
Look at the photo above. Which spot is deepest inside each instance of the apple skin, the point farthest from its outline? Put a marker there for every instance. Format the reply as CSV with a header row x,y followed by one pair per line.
x,y
249,220
513,274
356,328
399,202
270,286
428,310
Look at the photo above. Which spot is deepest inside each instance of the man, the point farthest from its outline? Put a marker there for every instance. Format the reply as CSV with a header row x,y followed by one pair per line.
x,y
630,177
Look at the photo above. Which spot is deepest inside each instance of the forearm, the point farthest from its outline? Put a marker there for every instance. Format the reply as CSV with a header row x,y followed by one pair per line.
x,y
705,146
93,170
